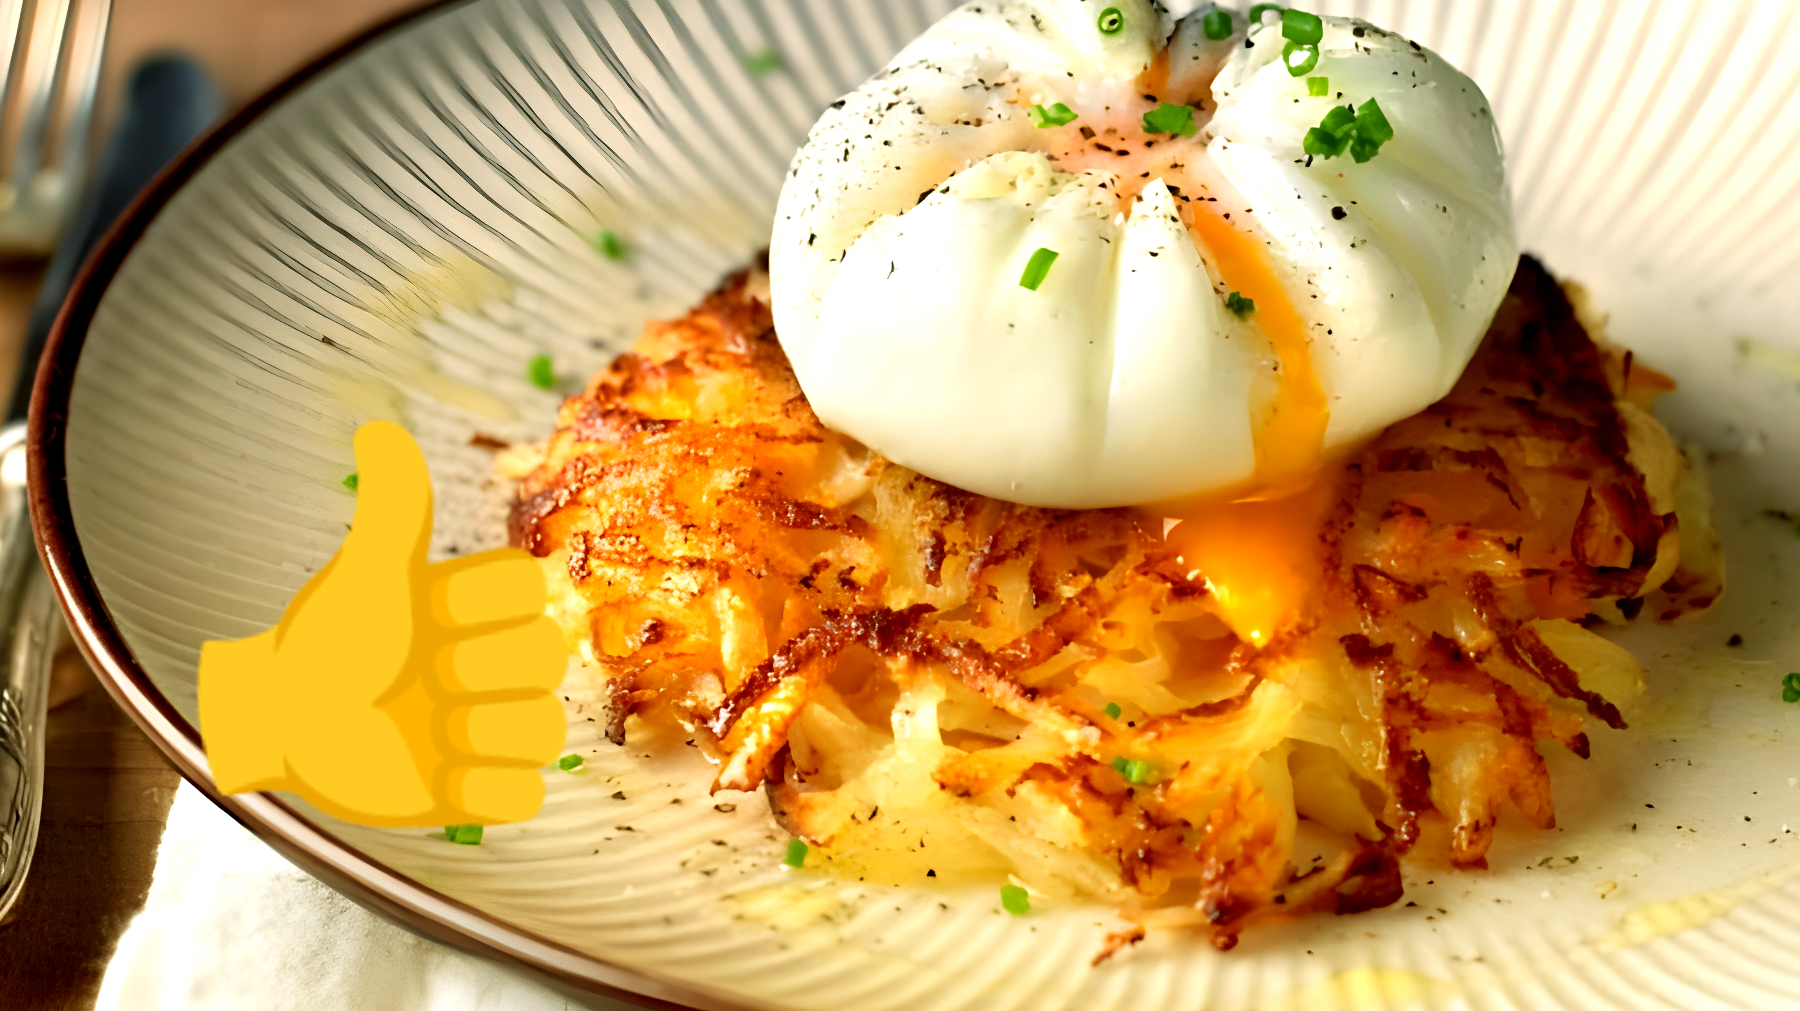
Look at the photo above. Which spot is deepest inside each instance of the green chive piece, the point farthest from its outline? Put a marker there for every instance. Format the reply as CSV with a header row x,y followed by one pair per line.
x,y
1240,306
796,853
1318,87
763,62
1299,58
1133,770
1166,118
611,246
1256,12
1372,123
1321,143
541,372
1056,115
1301,27
1015,900
1339,121
1037,268
463,835
1336,132
1790,687
569,763
1372,131
350,482
1113,711
1216,24
1111,21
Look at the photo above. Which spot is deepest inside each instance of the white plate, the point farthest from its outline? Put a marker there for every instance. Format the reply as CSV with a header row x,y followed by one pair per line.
x,y
401,234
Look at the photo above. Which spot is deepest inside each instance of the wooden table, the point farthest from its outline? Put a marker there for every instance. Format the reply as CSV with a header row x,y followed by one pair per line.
x,y
107,789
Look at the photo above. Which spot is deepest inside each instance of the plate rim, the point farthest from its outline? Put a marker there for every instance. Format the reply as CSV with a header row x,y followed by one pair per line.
x,y
345,868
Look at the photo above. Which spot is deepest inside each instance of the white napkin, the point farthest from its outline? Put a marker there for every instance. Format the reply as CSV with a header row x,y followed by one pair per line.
x,y
230,924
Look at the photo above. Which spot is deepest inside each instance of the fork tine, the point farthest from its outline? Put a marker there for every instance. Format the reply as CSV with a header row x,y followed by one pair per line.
x,y
37,86
10,13
81,79
49,72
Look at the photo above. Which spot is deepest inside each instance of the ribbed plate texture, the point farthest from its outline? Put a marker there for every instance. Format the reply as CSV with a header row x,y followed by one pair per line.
x,y
399,238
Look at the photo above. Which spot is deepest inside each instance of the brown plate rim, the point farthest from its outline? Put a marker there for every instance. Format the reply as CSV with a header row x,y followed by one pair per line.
x,y
360,877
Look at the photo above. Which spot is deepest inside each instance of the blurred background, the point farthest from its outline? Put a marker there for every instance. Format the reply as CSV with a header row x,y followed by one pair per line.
x,y
107,790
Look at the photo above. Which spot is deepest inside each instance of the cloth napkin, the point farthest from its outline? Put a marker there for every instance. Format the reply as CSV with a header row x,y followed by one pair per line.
x,y
230,925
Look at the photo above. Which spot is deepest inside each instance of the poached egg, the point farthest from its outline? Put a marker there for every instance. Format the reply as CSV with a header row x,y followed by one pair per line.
x,y
1221,309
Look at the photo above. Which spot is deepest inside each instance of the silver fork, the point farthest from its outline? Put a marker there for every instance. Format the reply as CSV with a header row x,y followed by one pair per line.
x,y
49,69
28,618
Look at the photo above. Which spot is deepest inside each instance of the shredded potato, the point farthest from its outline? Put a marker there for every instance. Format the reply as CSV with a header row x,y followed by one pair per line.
x,y
930,684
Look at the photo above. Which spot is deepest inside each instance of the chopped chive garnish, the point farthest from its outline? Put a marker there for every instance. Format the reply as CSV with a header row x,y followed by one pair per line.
x,y
1332,135
796,853
611,246
1240,306
1362,131
1340,121
1037,268
1320,143
1299,58
1790,687
1111,21
1166,118
1256,12
1044,117
1133,770
350,482
766,61
1112,711
541,372
1216,24
1372,131
1301,27
569,763
1318,87
1015,900
465,835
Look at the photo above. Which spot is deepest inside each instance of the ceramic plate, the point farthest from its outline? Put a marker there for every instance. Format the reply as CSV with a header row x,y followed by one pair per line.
x,y
398,231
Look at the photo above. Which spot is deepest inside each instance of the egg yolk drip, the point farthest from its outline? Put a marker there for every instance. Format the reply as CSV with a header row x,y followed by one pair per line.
x,y
1259,557
1257,554
1289,440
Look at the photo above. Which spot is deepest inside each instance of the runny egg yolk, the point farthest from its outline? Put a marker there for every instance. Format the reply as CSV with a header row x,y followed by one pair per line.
x,y
1259,558
1290,438
1289,441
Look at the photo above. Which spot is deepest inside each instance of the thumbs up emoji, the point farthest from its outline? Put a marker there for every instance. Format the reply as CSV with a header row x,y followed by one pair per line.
x,y
394,691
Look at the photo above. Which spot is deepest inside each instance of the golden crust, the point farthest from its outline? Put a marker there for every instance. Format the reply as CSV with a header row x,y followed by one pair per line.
x,y
920,677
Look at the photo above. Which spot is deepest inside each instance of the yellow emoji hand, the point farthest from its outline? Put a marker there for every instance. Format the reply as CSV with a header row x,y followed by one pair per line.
x,y
394,691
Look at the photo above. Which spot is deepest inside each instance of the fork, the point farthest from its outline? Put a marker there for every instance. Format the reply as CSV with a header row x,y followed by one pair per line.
x,y
168,100
27,642
49,70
